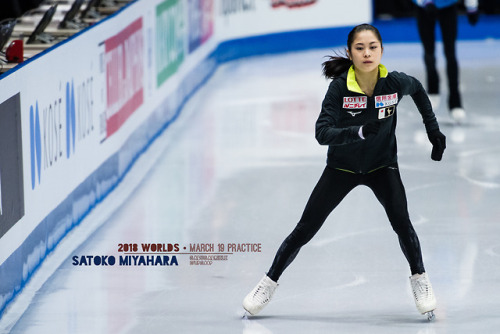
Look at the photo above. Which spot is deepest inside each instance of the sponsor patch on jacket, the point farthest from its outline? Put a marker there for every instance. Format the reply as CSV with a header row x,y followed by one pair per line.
x,y
386,112
355,102
386,100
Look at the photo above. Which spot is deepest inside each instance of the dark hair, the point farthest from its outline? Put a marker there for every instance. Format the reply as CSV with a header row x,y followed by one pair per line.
x,y
338,64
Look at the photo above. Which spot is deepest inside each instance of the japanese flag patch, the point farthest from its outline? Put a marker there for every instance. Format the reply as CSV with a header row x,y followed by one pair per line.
x,y
386,112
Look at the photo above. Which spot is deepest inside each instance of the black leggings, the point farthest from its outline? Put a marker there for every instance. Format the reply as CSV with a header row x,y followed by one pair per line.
x,y
426,21
332,187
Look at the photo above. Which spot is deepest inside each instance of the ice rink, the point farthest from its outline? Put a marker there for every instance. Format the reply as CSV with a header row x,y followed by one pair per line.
x,y
238,167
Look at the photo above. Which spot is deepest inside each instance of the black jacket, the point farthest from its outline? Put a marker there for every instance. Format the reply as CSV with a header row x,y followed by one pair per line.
x,y
345,108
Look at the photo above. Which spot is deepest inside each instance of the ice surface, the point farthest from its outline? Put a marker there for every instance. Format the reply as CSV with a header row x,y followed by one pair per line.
x,y
238,167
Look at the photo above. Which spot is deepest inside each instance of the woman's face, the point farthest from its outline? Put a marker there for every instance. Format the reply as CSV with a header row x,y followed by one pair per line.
x,y
366,51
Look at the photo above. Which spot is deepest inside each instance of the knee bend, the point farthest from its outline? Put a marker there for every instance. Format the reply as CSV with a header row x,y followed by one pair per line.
x,y
300,237
403,229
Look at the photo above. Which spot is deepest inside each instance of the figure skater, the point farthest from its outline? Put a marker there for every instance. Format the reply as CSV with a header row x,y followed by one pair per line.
x,y
358,122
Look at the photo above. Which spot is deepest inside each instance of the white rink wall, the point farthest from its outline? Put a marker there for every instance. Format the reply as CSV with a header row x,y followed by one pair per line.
x,y
237,19
80,113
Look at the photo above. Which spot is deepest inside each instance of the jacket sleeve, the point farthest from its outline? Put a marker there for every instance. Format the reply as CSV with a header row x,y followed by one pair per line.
x,y
328,131
413,87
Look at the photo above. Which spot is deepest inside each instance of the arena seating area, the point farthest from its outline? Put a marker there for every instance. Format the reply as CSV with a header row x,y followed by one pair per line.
x,y
31,26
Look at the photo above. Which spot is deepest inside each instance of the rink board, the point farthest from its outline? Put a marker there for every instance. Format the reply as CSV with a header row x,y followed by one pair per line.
x,y
84,110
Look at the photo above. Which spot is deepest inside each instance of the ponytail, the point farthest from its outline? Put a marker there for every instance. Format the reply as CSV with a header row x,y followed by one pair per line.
x,y
335,66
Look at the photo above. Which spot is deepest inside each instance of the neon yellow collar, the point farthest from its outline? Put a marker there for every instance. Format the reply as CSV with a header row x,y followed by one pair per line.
x,y
352,84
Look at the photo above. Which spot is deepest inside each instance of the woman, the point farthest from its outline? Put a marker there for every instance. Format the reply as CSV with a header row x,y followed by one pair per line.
x,y
358,121
429,12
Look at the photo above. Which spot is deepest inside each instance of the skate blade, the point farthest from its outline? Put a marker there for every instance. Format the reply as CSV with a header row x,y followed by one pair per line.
x,y
430,315
245,315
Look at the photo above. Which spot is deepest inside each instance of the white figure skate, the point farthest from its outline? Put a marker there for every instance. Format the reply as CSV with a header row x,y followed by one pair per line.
x,y
424,296
260,296
458,115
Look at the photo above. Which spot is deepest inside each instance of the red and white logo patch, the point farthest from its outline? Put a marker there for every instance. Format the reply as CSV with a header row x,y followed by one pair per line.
x,y
386,100
355,102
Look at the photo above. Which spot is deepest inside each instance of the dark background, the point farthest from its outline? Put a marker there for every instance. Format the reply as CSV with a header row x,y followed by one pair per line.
x,y
11,164
388,9
16,8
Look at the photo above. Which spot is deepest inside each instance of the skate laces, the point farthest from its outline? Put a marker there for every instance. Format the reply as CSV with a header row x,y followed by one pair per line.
x,y
264,292
421,287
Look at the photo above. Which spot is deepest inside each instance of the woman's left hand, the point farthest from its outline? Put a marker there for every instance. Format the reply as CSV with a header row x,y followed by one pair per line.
x,y
438,141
